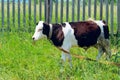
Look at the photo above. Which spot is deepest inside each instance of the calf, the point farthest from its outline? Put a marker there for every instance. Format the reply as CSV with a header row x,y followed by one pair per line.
x,y
83,33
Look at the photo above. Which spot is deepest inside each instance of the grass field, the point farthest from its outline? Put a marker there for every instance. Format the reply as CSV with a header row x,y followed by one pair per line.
x,y
22,60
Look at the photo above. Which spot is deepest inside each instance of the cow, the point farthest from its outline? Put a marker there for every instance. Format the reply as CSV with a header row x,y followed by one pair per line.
x,y
83,34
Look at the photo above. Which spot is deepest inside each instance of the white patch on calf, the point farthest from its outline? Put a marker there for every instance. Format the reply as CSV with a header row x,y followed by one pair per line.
x,y
69,38
69,41
38,31
100,24
50,33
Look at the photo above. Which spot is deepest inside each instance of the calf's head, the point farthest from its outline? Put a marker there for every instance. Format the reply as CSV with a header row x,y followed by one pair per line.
x,y
41,30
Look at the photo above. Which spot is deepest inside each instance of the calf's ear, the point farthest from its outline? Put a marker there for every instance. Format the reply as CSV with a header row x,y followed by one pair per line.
x,y
104,21
46,29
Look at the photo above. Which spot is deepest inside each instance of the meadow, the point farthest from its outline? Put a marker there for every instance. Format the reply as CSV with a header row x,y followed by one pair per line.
x,y
20,59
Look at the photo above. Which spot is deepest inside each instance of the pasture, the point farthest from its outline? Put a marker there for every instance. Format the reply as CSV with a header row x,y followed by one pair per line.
x,y
21,59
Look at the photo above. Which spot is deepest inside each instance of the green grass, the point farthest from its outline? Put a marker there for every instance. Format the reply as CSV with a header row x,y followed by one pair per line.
x,y
20,59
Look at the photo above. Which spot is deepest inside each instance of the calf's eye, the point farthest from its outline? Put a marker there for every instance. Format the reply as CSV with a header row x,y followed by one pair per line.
x,y
39,30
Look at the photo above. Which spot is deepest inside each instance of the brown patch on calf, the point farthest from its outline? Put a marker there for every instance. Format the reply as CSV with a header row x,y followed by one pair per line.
x,y
86,32
46,29
57,34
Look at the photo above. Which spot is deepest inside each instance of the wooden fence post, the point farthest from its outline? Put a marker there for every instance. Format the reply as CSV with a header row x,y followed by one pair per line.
x,y
118,18
18,14
56,11
8,16
83,18
24,13
73,2
48,2
2,13
61,10
13,12
50,10
89,8
111,17
47,12
35,11
101,9
95,8
67,10
78,10
29,11
40,9
45,9
107,10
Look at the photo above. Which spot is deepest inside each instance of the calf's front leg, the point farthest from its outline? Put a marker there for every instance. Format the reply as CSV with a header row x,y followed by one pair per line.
x,y
65,56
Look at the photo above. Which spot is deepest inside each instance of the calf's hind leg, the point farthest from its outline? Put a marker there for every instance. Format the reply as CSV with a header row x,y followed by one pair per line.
x,y
107,49
100,52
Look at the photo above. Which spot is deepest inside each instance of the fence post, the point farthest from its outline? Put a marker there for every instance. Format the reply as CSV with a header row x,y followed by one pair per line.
x,y
78,10
118,18
24,13
61,10
40,9
50,10
13,12
73,2
83,10
47,12
107,11
89,8
67,10
8,16
45,1
111,17
18,14
56,11
29,10
35,11
95,8
2,14
101,9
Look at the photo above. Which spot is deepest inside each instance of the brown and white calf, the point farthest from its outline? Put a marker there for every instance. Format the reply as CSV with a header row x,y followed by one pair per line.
x,y
83,33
